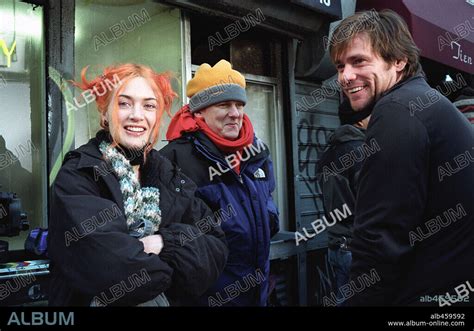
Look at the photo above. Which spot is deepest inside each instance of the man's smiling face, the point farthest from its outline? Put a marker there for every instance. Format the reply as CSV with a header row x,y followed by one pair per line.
x,y
363,74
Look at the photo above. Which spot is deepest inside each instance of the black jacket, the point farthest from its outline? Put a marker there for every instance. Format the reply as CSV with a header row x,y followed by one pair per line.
x,y
414,225
92,254
337,174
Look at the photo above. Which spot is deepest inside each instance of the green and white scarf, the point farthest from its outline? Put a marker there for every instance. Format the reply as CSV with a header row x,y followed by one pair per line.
x,y
141,207
141,204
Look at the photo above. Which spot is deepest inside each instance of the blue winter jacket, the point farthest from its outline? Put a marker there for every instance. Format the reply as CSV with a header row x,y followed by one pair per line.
x,y
244,205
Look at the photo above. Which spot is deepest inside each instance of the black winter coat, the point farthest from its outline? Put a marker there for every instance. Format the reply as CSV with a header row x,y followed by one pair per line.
x,y
92,254
414,225
337,175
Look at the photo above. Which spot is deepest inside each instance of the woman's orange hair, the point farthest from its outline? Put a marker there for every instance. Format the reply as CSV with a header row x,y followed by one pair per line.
x,y
100,88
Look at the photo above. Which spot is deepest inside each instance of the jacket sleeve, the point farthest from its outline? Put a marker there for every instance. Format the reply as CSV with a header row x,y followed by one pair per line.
x,y
340,189
194,244
390,203
337,192
90,245
271,206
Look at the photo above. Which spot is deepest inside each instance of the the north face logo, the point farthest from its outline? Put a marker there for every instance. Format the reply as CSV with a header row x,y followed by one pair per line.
x,y
259,173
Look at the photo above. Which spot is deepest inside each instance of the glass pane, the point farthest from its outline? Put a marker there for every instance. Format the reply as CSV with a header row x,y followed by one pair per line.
x,y
260,107
136,31
252,55
22,130
262,111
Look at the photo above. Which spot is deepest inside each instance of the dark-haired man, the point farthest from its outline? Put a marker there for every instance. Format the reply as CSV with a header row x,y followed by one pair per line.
x,y
414,224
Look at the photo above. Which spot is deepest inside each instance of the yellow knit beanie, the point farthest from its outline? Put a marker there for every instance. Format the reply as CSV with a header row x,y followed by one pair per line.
x,y
212,85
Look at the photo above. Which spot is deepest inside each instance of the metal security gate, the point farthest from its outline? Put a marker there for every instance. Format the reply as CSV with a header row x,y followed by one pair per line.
x,y
314,120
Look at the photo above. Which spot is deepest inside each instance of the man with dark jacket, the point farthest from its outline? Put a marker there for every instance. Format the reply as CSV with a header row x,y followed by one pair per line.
x,y
414,223
213,143
338,169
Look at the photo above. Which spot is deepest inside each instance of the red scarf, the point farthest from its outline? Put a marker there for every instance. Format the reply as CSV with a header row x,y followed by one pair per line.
x,y
185,121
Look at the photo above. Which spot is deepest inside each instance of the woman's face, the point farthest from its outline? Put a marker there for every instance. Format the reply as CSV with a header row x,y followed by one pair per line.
x,y
137,106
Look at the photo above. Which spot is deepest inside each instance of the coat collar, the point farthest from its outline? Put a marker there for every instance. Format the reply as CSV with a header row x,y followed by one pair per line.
x,y
156,169
346,132
401,83
90,155
199,138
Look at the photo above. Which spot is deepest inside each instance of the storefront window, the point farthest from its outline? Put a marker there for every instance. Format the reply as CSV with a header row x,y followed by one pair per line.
x,y
22,129
262,109
136,31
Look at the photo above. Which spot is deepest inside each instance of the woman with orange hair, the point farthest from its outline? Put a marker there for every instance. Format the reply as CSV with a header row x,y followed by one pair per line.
x,y
120,209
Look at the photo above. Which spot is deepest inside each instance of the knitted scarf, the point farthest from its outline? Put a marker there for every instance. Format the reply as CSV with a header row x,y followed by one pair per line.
x,y
141,204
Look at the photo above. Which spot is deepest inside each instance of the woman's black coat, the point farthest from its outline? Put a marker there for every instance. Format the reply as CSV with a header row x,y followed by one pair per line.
x,y
94,257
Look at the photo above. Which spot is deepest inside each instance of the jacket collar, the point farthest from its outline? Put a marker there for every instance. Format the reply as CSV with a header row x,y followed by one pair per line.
x,y
346,133
155,169
89,155
401,83
199,138
371,106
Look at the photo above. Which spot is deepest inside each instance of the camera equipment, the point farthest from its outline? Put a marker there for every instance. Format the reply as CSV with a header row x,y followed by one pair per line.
x,y
26,280
12,219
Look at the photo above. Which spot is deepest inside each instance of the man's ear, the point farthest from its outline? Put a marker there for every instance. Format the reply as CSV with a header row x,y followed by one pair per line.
x,y
198,114
400,64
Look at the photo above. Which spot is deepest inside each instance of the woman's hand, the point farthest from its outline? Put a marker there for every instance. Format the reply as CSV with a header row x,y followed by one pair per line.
x,y
152,244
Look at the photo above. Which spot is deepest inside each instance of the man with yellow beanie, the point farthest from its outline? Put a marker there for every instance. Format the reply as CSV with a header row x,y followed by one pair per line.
x,y
213,142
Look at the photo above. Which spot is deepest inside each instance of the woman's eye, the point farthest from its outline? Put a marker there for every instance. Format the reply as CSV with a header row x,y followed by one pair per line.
x,y
150,107
124,104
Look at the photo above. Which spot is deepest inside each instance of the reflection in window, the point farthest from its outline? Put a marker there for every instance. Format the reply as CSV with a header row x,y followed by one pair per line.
x,y
251,51
136,31
22,132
